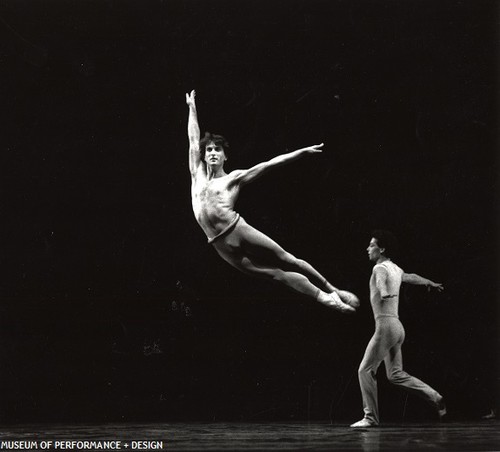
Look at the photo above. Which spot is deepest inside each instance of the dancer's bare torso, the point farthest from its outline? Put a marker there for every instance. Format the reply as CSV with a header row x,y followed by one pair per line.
x,y
213,200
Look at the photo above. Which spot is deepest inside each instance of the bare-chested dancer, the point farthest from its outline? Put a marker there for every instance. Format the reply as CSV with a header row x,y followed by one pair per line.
x,y
214,193
385,345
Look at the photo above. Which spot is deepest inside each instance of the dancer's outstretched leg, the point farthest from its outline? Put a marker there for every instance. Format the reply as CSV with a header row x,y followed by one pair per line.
x,y
257,244
254,253
295,281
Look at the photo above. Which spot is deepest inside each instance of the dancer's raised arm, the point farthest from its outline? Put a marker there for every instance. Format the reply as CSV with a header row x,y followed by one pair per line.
x,y
248,175
193,134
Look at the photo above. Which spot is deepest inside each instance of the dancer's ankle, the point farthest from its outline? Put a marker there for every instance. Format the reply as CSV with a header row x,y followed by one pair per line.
x,y
321,296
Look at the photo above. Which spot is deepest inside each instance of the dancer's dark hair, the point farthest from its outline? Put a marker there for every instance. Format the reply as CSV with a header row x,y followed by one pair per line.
x,y
387,240
218,140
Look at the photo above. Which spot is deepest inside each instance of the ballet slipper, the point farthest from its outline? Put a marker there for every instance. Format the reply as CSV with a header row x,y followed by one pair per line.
x,y
441,409
348,298
336,303
364,423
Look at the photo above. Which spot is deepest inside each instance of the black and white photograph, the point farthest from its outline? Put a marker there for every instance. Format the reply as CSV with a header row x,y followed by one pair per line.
x,y
249,225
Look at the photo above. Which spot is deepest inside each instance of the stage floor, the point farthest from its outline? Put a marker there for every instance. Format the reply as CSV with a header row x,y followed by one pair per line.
x,y
455,436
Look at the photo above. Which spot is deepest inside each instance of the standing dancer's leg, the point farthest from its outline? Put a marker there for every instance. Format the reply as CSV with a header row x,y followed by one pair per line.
x,y
397,376
376,350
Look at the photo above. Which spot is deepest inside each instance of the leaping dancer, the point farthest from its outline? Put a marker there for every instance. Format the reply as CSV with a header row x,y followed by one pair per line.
x,y
214,193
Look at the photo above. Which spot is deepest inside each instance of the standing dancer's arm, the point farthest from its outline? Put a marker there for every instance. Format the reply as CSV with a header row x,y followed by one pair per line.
x,y
413,278
193,134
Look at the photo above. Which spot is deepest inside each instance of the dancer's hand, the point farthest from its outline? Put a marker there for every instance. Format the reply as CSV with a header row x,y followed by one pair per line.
x,y
313,149
190,99
434,285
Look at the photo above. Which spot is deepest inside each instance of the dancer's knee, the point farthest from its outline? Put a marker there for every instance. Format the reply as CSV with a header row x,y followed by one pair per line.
x,y
293,263
274,274
278,275
396,377
288,259
300,262
364,370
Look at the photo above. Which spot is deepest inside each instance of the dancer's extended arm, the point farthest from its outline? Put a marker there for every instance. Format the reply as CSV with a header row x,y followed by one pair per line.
x,y
413,278
248,175
193,134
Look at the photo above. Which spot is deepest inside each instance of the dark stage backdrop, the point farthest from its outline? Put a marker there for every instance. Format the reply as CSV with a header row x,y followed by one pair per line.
x,y
113,306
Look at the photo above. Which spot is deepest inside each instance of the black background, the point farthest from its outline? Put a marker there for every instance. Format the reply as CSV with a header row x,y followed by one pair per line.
x,y
98,229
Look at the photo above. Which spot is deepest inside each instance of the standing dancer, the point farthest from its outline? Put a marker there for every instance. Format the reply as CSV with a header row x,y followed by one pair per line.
x,y
385,345
214,193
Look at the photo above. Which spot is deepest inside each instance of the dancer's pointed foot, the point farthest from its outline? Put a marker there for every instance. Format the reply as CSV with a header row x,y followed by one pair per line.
x,y
491,415
364,423
335,302
348,298
441,409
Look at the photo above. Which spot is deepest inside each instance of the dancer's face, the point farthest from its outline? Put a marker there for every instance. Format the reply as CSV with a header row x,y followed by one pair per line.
x,y
374,251
214,154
